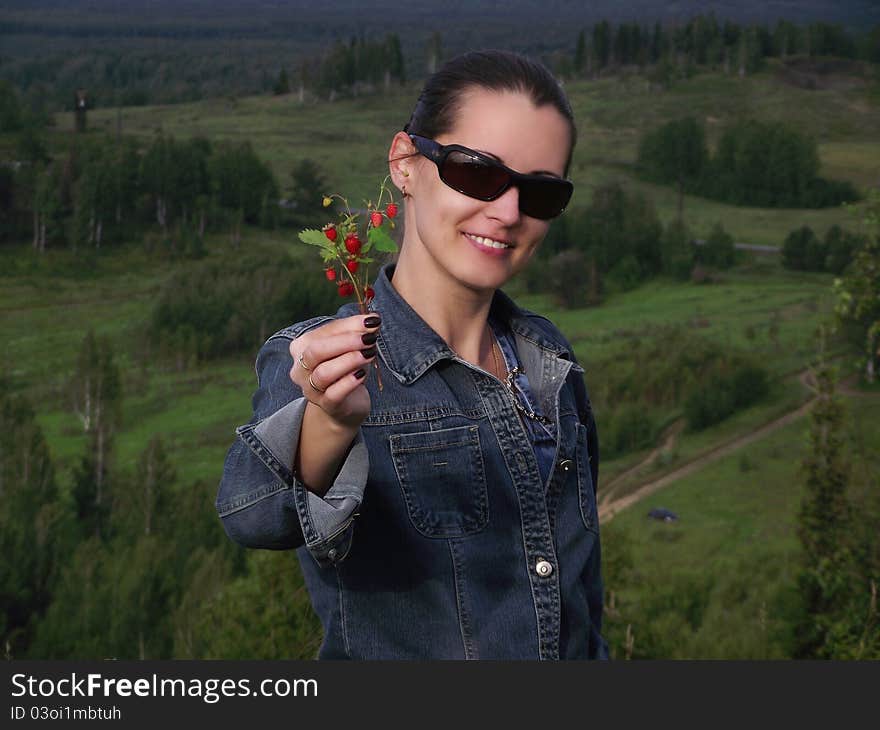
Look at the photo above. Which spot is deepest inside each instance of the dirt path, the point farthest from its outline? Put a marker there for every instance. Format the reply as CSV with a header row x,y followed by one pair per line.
x,y
609,506
669,439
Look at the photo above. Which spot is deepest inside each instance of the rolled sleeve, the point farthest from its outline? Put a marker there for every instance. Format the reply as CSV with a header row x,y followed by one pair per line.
x,y
261,500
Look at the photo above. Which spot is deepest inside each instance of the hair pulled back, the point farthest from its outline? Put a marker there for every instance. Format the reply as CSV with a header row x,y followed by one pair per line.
x,y
438,105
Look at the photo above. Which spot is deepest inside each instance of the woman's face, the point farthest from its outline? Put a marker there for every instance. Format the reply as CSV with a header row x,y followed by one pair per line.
x,y
450,225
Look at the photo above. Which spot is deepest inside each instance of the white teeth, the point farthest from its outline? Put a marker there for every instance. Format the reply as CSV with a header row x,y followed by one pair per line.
x,y
490,242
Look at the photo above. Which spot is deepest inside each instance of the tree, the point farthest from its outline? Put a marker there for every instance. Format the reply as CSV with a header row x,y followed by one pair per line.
x,y
243,185
48,207
602,44
580,54
718,251
677,251
30,522
839,248
96,392
435,52
675,152
157,177
569,279
858,292
282,86
308,189
10,109
145,507
824,517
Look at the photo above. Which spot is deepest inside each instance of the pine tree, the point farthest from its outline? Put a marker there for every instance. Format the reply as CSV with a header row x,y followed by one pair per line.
x,y
282,86
580,54
30,533
823,519
858,293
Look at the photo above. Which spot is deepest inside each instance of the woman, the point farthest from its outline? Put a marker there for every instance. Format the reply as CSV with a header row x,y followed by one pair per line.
x,y
453,513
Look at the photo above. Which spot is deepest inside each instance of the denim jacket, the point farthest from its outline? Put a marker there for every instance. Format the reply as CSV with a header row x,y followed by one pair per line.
x,y
437,538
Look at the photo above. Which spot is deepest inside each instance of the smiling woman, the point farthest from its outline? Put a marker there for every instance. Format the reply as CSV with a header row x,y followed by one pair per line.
x,y
453,514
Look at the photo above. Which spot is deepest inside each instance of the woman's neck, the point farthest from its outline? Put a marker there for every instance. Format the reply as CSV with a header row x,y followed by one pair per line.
x,y
455,312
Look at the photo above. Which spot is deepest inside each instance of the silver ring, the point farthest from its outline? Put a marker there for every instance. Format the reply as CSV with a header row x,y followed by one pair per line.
x,y
304,366
312,383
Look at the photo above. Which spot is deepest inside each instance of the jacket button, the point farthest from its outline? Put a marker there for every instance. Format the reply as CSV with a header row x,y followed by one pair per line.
x,y
332,553
566,464
543,568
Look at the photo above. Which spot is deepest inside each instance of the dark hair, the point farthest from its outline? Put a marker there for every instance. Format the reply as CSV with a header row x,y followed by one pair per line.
x,y
439,103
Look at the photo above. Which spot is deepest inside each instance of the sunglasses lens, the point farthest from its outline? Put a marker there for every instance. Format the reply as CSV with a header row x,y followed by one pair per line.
x,y
473,176
544,199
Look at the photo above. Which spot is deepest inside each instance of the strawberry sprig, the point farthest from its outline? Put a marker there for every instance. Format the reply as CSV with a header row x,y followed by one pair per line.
x,y
345,243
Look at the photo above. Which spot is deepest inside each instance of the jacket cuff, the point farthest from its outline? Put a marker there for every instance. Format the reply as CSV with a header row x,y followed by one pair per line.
x,y
326,521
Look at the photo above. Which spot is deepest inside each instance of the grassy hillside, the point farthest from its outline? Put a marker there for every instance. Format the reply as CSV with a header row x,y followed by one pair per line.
x,y
724,568
349,139
718,583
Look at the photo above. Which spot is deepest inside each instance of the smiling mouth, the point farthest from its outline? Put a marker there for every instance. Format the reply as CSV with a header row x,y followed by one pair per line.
x,y
490,242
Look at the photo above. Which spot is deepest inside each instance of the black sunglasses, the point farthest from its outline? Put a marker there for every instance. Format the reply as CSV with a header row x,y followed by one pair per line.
x,y
479,176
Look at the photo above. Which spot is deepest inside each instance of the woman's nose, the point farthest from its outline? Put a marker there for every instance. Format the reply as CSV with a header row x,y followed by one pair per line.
x,y
506,207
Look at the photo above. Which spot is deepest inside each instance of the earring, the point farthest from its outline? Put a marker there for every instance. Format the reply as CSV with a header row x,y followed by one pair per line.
x,y
406,173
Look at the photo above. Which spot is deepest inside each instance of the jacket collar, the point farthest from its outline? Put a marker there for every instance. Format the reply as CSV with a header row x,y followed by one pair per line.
x,y
409,346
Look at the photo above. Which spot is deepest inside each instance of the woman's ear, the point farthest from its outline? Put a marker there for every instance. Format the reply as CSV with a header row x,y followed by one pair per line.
x,y
401,156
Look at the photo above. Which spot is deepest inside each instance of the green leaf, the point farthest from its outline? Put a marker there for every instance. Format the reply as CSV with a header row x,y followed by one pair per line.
x,y
381,240
315,238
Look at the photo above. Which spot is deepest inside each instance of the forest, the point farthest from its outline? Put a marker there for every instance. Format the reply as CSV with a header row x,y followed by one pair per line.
x,y
717,271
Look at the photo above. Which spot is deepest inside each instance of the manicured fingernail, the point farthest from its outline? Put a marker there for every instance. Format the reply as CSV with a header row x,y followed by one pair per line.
x,y
373,321
360,373
369,352
369,338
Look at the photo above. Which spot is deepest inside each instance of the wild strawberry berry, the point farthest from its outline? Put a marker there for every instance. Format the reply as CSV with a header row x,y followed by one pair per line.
x,y
330,273
346,288
391,210
352,266
352,244
369,293
330,232
376,218
326,201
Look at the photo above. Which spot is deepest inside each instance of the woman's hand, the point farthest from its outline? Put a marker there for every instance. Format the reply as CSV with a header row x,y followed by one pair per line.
x,y
336,357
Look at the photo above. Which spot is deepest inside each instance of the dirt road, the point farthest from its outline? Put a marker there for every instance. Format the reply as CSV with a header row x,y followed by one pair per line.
x,y
610,505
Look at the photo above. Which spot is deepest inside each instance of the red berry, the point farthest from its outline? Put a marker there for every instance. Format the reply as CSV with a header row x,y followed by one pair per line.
x,y
353,244
391,210
376,218
330,232
352,266
331,274
369,293
345,288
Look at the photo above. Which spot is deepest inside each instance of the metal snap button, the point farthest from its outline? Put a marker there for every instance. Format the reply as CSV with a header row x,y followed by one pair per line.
x,y
566,464
543,568
332,553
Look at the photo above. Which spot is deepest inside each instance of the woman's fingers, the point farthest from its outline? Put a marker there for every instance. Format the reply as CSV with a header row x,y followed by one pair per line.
x,y
332,351
323,377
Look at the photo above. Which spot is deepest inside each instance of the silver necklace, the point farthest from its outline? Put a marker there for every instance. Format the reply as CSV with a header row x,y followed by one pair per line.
x,y
508,381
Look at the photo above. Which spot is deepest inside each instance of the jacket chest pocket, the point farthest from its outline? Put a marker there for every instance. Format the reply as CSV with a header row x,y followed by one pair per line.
x,y
443,480
586,492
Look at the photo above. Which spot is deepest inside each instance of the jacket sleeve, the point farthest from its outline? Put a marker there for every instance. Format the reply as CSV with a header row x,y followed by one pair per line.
x,y
261,501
